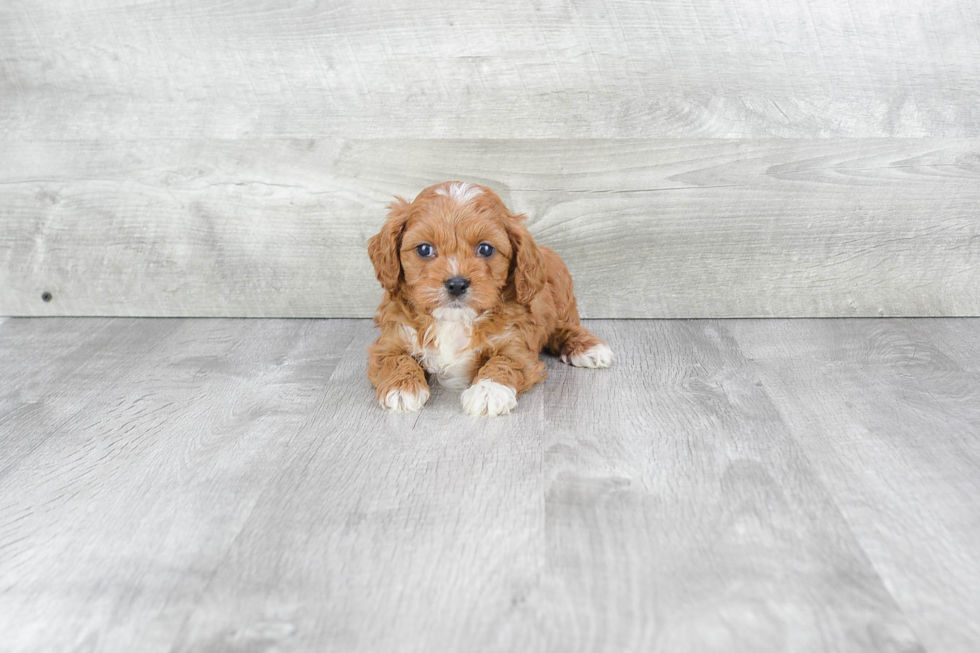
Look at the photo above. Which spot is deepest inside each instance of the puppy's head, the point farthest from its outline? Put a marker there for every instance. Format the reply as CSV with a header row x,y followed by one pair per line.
x,y
457,247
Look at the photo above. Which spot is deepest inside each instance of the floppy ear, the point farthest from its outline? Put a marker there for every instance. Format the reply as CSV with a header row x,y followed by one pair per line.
x,y
528,269
383,246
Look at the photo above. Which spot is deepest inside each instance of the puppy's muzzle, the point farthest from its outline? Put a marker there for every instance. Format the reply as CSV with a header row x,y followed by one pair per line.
x,y
457,286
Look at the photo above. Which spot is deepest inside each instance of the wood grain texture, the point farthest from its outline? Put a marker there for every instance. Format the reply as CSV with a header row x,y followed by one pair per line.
x,y
231,485
689,159
73,355
150,442
681,515
404,532
649,228
889,413
512,69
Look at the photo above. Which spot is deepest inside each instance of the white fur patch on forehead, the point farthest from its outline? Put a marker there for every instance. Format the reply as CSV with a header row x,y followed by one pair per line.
x,y
460,192
453,265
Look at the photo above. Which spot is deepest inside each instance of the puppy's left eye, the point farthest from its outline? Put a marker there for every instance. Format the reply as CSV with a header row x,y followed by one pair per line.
x,y
485,250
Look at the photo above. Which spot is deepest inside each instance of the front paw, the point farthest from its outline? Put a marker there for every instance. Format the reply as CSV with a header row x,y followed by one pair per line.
x,y
486,397
403,396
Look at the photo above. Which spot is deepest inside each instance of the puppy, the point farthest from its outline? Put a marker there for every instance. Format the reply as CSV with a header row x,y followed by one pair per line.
x,y
470,301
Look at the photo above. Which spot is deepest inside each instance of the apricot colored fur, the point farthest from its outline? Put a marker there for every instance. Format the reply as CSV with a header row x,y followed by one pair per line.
x,y
521,298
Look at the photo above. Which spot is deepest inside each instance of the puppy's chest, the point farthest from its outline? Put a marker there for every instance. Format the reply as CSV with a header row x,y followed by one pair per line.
x,y
448,353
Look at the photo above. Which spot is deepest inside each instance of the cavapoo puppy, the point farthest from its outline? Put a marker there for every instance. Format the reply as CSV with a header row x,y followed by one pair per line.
x,y
470,301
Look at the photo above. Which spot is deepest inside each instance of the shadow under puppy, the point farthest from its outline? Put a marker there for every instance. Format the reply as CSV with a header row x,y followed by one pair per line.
x,y
471,300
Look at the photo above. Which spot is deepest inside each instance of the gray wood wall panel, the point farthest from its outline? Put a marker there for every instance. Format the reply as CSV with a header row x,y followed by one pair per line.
x,y
510,69
651,228
690,159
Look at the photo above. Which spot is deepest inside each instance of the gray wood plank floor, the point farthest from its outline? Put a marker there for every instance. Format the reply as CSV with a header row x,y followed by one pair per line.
x,y
193,485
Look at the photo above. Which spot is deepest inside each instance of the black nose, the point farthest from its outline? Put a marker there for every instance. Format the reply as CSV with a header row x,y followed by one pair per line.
x,y
457,285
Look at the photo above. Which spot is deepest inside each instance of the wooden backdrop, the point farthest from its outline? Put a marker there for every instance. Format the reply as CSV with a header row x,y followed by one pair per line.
x,y
688,158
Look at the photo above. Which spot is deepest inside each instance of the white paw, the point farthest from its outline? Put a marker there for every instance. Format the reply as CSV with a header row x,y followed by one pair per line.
x,y
488,398
405,402
598,356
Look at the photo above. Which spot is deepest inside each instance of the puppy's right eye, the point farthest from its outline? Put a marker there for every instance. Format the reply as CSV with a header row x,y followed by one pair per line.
x,y
425,250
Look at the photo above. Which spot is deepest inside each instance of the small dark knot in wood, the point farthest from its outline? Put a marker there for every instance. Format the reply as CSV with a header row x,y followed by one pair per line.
x,y
46,296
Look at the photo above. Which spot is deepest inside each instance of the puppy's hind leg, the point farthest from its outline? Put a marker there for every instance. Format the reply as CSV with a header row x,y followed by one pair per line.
x,y
575,345
571,341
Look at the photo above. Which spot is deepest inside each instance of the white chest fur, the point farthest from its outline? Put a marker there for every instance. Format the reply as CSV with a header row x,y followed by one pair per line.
x,y
448,355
